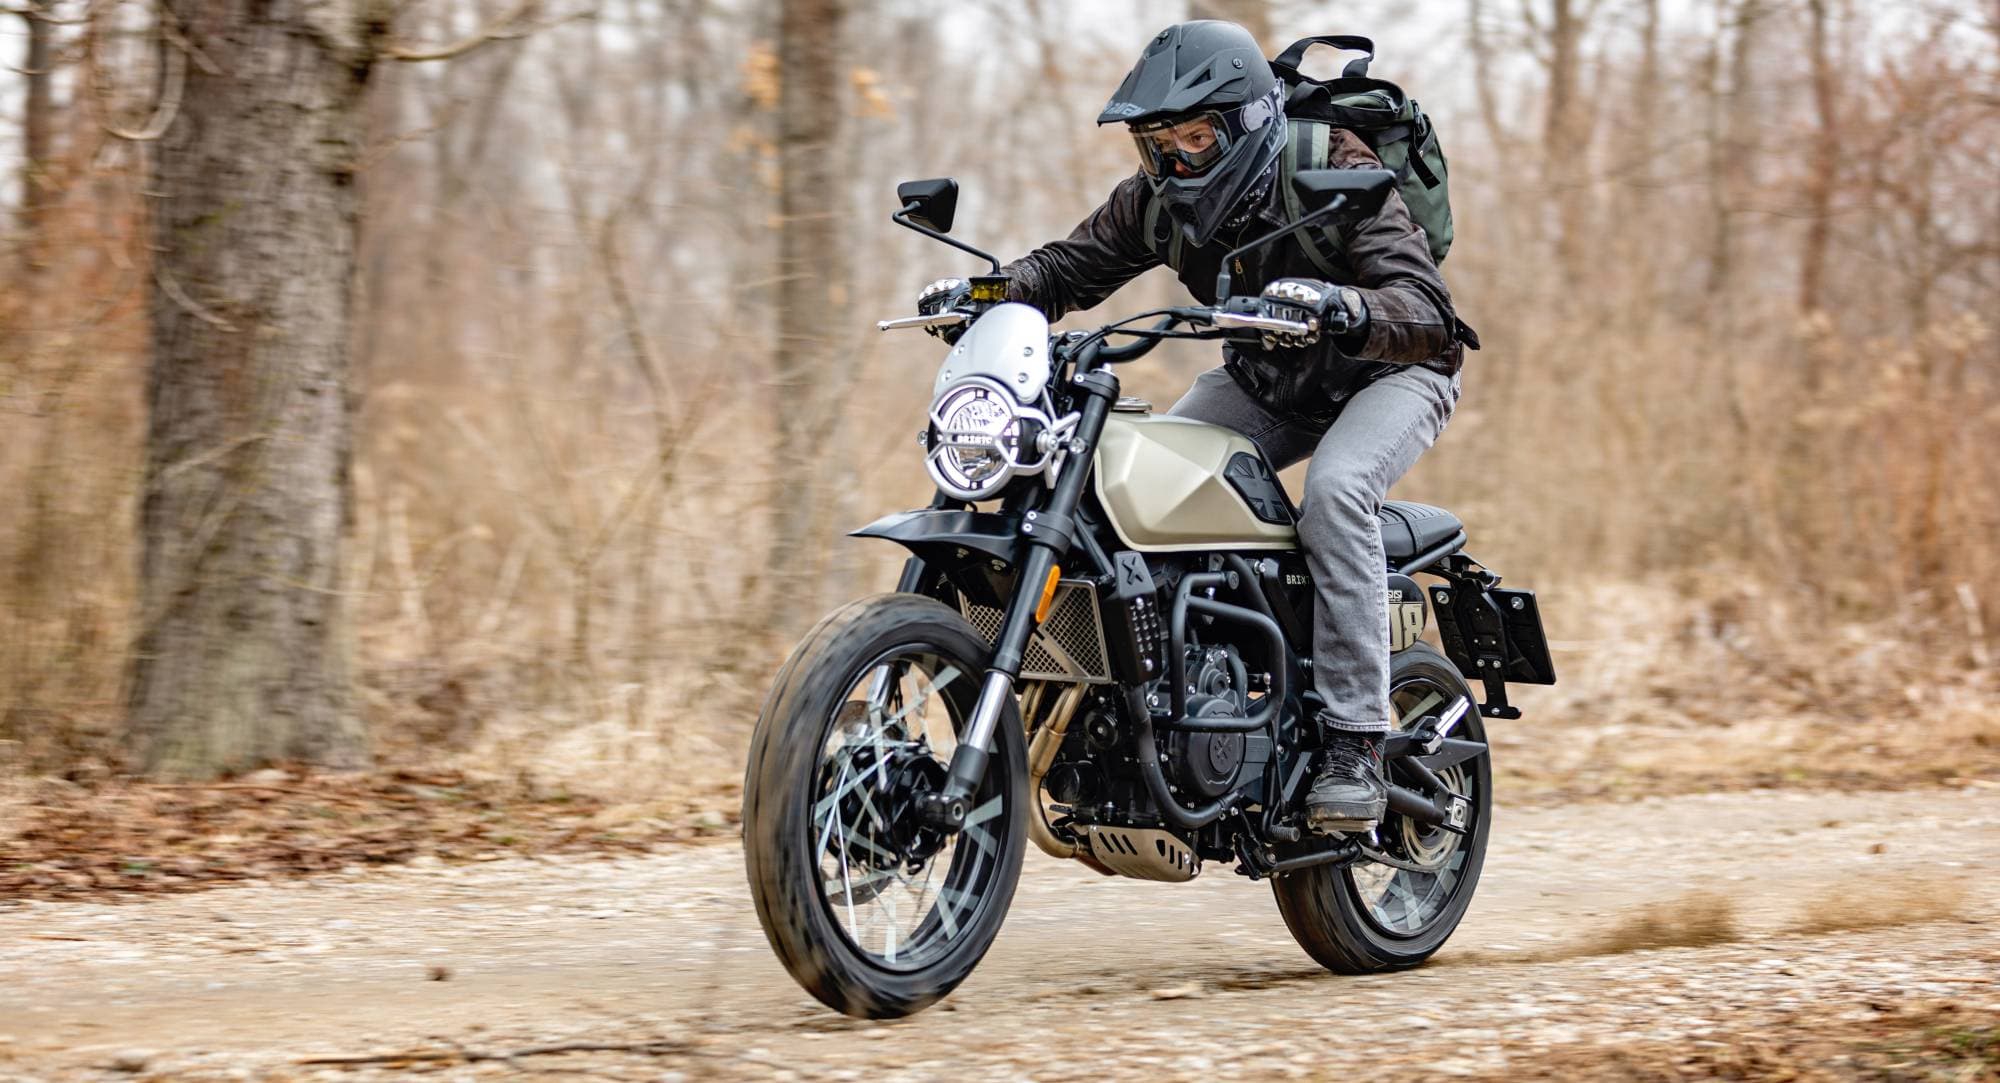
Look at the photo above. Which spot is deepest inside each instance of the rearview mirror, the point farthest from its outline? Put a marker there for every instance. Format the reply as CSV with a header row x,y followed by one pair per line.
x,y
1365,189
929,203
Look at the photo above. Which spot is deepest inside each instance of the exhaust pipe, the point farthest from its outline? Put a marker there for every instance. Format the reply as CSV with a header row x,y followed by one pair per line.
x,y
1041,756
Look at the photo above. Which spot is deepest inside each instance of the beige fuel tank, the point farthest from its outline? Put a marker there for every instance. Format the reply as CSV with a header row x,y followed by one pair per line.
x,y
1161,481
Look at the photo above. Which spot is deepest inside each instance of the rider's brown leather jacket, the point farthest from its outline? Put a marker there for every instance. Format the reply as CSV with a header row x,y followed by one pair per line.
x,y
1385,257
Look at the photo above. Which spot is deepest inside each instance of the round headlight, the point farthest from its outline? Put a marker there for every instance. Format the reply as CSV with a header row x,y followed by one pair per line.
x,y
974,439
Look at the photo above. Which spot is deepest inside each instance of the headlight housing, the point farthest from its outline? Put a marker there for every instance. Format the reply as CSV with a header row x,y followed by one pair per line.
x,y
980,438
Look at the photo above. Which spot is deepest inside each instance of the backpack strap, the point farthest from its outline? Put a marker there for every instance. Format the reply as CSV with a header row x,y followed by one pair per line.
x,y
1289,60
1305,148
1170,247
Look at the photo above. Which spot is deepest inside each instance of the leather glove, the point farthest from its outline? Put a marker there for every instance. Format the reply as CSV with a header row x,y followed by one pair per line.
x,y
1326,309
941,296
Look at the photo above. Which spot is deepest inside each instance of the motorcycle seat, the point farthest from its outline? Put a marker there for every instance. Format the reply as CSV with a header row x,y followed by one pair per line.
x,y
1409,528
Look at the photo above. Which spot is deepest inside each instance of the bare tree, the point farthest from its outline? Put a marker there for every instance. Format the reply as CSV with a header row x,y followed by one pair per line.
x,y
242,651
811,273
1565,130
1733,132
241,654
36,129
1479,42
1823,172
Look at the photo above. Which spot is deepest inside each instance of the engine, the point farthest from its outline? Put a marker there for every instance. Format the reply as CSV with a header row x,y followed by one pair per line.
x,y
1112,813
1209,764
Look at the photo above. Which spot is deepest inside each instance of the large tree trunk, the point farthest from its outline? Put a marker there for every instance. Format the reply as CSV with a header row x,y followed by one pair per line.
x,y
811,278
242,651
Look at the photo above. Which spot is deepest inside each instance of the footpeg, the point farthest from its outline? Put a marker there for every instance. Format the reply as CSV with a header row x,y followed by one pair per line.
x,y
1326,825
1429,734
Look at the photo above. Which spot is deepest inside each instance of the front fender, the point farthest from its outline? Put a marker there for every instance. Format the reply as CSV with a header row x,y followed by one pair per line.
x,y
948,539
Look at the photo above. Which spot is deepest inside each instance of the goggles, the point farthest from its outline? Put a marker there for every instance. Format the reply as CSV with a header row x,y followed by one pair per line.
x,y
1186,147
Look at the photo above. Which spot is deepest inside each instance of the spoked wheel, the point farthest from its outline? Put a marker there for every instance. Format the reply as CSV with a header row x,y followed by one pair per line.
x,y
873,911
1399,904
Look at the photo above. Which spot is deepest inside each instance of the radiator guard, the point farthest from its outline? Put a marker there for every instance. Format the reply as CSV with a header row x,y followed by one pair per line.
x,y
1068,647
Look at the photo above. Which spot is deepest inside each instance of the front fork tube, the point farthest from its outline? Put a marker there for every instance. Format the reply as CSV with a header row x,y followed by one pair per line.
x,y
1047,534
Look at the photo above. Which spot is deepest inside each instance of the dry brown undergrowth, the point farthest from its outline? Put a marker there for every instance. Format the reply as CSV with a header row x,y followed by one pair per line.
x,y
125,839
1938,1040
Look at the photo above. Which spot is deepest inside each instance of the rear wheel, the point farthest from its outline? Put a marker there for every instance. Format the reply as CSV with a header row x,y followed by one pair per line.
x,y
874,912
1396,907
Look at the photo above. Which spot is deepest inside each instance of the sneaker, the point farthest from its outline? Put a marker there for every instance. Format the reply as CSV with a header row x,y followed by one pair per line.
x,y
1348,794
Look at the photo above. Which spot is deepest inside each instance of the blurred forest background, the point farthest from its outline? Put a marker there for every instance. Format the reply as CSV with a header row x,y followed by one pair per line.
x,y
615,391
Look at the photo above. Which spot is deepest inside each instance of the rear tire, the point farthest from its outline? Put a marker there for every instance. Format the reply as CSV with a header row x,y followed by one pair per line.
x,y
799,796
1336,913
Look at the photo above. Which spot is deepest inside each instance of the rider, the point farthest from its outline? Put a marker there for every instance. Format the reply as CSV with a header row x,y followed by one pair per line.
x,y
1362,395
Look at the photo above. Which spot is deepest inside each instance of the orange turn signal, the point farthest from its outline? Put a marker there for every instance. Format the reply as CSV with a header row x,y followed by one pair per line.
x,y
1048,594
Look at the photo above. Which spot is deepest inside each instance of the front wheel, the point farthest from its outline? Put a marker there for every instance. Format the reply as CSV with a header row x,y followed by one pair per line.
x,y
1395,908
874,912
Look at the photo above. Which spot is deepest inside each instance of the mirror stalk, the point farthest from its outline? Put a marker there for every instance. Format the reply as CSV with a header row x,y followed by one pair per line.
x,y
1222,282
902,218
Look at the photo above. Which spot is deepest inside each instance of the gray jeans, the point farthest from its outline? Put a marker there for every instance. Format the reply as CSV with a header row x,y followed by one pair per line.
x,y
1357,453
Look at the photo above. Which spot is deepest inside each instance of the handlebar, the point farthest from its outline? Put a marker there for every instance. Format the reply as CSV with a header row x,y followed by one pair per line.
x,y
1137,348
1234,314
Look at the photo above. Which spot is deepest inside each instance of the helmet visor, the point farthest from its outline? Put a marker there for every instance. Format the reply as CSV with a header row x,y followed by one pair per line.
x,y
1181,148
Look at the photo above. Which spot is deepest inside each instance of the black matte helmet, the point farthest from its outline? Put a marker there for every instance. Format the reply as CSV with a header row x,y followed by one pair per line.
x,y
1208,115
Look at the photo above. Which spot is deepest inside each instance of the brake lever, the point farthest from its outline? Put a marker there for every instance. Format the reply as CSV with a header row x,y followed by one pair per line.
x,y
937,319
1248,322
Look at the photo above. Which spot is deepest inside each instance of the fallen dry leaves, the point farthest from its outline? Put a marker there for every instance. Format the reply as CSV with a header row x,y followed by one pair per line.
x,y
1923,1040
124,838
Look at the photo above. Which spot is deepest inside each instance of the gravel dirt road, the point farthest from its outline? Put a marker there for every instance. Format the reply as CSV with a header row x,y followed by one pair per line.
x,y
432,968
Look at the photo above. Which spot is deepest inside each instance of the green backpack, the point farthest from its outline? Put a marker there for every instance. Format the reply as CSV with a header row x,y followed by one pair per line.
x,y
1388,120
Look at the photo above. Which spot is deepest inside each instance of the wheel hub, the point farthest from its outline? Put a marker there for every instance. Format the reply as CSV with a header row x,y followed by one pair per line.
x,y
885,825
1426,844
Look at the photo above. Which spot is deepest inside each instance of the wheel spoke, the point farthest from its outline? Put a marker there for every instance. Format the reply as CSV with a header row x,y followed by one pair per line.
x,y
868,881
897,893
949,905
982,840
1402,893
846,885
1414,713
983,813
950,674
888,908
830,806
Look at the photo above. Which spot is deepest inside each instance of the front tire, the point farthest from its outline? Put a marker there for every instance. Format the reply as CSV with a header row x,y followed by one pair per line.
x,y
872,913
1369,916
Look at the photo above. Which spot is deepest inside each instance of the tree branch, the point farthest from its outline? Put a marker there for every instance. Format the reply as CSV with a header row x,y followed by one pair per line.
x,y
508,27
170,103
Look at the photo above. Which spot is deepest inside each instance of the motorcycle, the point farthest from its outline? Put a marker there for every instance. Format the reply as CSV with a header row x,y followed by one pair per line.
x,y
1101,641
